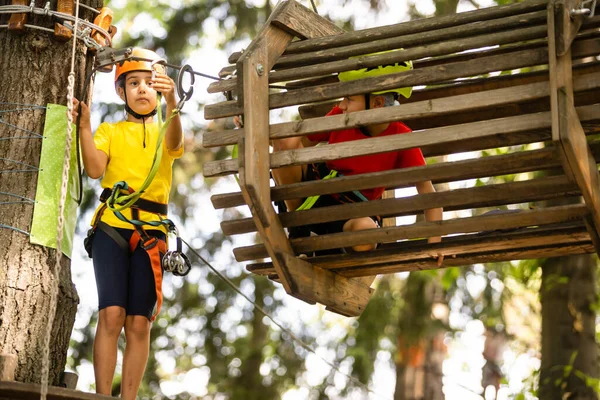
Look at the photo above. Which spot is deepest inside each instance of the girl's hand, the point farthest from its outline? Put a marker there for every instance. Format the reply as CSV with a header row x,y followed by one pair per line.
x,y
85,113
165,85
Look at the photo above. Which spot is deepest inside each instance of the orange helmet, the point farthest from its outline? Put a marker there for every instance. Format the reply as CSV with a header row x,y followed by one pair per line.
x,y
139,65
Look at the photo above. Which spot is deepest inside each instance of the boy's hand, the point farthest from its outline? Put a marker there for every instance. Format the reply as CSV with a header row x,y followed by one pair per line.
x,y
85,113
162,83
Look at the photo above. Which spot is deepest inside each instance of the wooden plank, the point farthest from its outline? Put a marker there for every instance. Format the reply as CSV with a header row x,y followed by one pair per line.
x,y
422,76
407,251
466,86
303,23
412,27
342,295
459,199
525,218
254,179
30,391
433,142
580,159
567,132
417,47
513,163
425,109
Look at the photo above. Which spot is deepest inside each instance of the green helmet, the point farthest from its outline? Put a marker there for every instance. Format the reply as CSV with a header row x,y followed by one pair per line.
x,y
380,70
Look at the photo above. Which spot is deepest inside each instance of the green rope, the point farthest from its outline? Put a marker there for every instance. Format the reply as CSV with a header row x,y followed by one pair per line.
x,y
118,202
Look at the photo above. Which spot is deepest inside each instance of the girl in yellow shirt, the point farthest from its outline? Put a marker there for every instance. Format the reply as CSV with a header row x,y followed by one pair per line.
x,y
128,282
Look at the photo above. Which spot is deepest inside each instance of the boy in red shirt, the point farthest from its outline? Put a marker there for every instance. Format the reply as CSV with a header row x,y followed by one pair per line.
x,y
355,165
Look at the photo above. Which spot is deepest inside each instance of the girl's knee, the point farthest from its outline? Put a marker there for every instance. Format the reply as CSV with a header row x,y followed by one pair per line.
x,y
137,327
111,320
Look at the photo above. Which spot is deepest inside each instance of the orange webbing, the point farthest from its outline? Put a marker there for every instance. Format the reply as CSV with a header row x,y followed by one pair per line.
x,y
154,253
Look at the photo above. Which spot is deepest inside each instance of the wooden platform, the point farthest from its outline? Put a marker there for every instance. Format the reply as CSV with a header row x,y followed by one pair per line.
x,y
522,78
30,391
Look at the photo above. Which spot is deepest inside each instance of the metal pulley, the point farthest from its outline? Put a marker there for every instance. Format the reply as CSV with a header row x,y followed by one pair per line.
x,y
176,261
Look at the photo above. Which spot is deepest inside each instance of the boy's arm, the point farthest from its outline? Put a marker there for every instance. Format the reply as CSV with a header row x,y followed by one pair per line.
x,y
174,136
94,160
432,214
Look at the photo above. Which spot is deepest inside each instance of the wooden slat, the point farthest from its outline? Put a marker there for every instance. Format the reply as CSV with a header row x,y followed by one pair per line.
x,y
417,47
513,163
437,141
409,251
411,27
423,76
303,23
475,197
30,391
524,218
426,109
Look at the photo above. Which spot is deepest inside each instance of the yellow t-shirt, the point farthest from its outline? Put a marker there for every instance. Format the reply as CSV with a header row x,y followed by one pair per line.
x,y
130,161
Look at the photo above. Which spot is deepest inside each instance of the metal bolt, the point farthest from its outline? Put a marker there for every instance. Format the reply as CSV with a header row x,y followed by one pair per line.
x,y
260,69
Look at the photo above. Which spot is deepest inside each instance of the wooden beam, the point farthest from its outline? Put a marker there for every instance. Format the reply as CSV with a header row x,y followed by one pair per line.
x,y
31,391
512,163
425,109
417,47
524,218
459,246
437,141
254,178
459,199
423,76
303,23
340,294
412,27
568,25
567,132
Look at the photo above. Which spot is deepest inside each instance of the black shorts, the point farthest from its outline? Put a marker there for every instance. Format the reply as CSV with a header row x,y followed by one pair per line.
x,y
124,279
315,172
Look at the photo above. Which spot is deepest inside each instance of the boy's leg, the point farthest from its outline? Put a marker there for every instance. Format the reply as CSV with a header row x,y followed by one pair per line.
x,y
288,175
110,323
137,348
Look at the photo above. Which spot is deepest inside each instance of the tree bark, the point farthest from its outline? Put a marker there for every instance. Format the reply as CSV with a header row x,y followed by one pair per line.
x,y
568,295
34,69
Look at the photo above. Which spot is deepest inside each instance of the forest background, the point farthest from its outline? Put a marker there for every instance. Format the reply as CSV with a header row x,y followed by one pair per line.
x,y
209,342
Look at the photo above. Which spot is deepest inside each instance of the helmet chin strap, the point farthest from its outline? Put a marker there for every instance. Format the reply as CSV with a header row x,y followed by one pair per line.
x,y
363,129
139,116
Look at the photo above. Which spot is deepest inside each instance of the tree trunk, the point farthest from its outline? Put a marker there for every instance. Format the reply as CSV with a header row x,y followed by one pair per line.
x,y
568,295
33,70
421,350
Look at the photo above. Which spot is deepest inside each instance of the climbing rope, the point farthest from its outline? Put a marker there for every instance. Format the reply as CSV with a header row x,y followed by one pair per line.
x,y
61,207
285,330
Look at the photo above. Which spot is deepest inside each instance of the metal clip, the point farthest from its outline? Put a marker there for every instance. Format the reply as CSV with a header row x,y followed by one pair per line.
x,y
590,12
46,8
183,94
176,261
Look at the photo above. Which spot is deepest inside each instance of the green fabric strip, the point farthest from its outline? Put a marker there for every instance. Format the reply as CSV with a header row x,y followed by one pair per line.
x,y
44,226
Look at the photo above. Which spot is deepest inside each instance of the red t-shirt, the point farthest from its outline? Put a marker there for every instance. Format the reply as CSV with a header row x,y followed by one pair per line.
x,y
371,163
